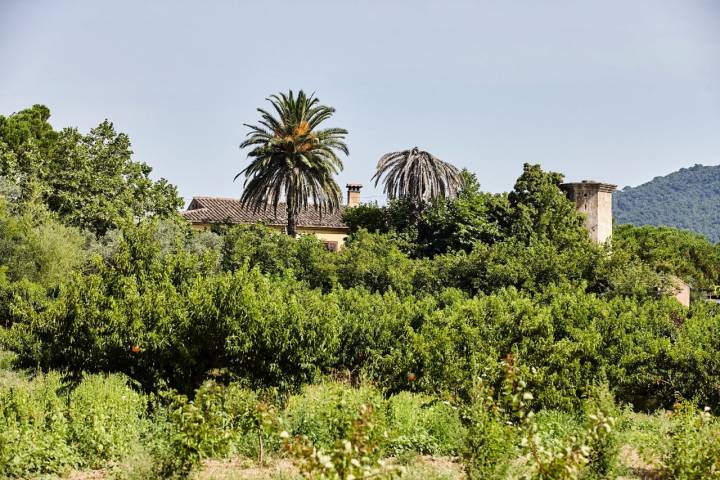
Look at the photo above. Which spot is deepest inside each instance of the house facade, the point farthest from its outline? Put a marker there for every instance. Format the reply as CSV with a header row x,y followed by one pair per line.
x,y
203,212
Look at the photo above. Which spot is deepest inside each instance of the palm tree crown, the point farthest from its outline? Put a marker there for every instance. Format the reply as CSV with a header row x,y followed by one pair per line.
x,y
417,176
292,159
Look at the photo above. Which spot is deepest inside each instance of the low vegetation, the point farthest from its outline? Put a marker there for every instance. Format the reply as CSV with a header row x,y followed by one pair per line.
x,y
335,430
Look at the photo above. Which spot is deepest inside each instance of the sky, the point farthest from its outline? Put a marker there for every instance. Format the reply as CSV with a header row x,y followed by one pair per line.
x,y
618,91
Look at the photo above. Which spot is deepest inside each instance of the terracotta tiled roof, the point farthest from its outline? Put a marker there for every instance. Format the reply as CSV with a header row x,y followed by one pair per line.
x,y
229,210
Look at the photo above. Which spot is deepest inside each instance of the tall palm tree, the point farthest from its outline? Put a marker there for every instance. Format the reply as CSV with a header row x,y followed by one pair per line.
x,y
292,159
417,176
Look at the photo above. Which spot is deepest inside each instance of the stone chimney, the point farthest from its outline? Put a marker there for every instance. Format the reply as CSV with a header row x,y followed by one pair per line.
x,y
594,199
353,194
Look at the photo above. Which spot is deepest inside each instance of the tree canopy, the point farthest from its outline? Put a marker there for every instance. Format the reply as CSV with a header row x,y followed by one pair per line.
x,y
688,199
293,159
442,292
417,176
90,180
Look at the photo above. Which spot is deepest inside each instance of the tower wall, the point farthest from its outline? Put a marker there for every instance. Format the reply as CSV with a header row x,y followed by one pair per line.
x,y
594,199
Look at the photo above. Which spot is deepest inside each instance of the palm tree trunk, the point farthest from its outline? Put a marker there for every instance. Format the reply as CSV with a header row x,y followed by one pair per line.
x,y
292,218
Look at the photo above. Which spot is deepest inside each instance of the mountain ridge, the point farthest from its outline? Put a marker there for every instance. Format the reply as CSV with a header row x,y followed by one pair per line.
x,y
688,199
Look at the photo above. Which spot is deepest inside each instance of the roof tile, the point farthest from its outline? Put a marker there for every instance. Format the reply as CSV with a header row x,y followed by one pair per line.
x,y
230,210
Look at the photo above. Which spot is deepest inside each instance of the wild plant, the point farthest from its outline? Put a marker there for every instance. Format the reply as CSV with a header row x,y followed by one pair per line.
x,y
694,445
496,422
353,457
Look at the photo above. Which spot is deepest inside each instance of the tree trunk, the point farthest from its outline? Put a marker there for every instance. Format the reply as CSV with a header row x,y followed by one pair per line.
x,y
292,218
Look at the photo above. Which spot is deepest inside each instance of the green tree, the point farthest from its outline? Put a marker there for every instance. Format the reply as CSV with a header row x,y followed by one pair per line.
x,y
375,262
26,138
447,225
417,175
90,180
538,208
95,183
685,254
292,158
457,224
34,246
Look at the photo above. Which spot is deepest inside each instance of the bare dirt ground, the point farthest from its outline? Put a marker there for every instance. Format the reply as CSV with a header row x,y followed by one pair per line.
x,y
247,469
420,467
638,467
423,467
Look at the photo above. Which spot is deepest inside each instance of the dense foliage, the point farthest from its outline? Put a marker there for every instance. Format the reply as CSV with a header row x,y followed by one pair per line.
x,y
688,255
688,199
167,306
90,180
131,329
333,430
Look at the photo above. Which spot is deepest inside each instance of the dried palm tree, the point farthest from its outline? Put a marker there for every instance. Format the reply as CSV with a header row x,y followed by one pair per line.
x,y
417,176
292,159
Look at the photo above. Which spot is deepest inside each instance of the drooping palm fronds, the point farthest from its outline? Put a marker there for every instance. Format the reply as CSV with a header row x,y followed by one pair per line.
x,y
417,176
292,159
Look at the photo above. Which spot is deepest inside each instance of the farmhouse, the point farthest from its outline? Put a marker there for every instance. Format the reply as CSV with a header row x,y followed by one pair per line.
x,y
328,226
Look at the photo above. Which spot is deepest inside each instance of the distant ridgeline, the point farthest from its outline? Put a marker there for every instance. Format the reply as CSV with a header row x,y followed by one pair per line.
x,y
688,199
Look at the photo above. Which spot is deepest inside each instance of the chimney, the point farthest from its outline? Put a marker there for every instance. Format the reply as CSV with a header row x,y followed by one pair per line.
x,y
353,194
594,199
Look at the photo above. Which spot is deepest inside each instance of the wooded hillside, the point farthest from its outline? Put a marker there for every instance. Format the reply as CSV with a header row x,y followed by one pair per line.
x,y
688,199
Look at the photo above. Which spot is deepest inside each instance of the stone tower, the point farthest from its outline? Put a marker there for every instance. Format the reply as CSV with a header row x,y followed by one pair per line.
x,y
594,199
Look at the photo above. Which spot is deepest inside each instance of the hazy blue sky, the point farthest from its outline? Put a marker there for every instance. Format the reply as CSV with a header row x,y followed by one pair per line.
x,y
619,91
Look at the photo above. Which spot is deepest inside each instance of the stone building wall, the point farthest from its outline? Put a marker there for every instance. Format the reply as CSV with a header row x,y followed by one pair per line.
x,y
594,199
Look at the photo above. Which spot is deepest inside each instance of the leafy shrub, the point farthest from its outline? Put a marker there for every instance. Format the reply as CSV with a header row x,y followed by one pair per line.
x,y
375,262
255,420
6,359
497,420
220,420
555,426
601,413
491,441
199,429
694,355
422,424
325,412
34,428
374,329
35,246
694,448
256,245
275,253
105,418
685,254
355,455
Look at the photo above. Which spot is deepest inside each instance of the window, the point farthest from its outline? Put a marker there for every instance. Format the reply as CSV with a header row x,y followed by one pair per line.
x,y
332,246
